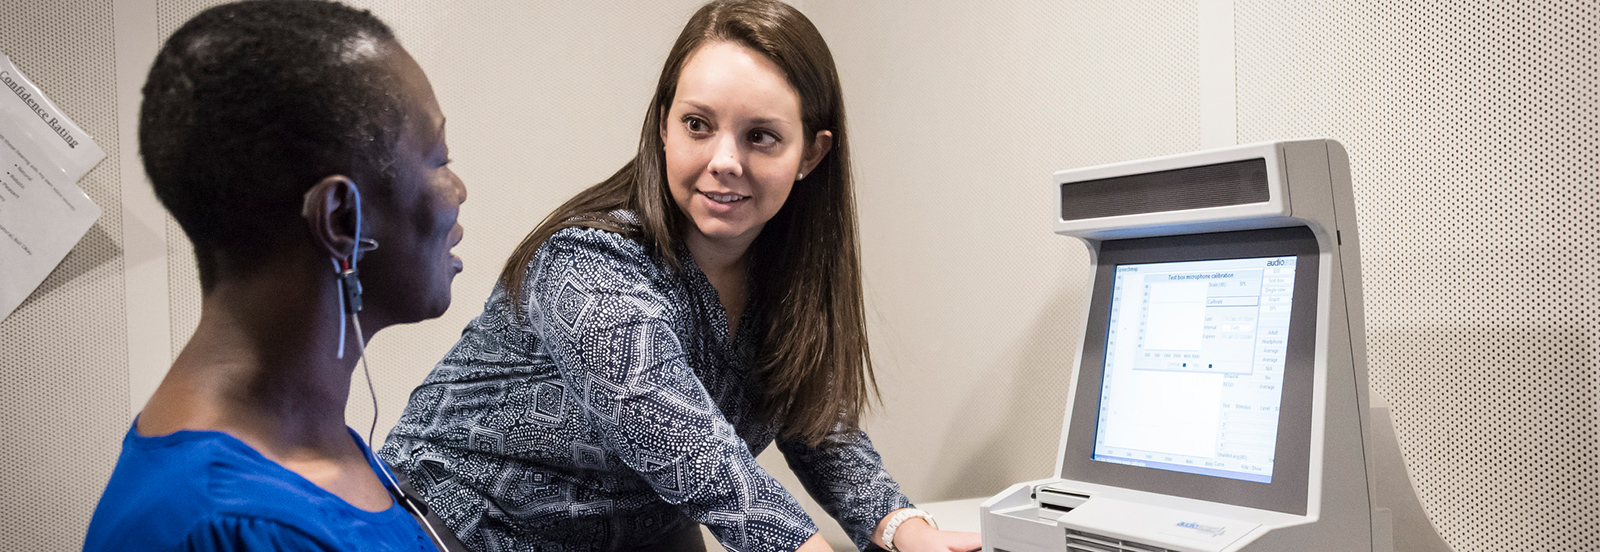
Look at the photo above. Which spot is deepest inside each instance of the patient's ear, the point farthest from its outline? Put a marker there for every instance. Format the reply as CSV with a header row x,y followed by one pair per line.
x,y
331,212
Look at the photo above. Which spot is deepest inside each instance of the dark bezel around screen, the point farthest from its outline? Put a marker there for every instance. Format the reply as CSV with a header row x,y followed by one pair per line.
x,y
1287,491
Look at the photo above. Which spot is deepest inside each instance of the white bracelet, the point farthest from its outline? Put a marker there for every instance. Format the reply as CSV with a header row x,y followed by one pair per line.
x,y
894,523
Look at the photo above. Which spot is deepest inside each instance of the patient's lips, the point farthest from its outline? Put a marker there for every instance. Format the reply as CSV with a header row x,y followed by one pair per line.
x,y
455,260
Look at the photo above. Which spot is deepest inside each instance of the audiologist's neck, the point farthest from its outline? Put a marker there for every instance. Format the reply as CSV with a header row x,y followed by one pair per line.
x,y
262,366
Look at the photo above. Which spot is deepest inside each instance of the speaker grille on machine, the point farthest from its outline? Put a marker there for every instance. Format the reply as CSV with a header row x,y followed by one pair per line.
x,y
1231,183
1084,541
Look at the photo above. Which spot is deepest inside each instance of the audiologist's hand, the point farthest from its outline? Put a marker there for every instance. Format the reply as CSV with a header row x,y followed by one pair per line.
x,y
915,535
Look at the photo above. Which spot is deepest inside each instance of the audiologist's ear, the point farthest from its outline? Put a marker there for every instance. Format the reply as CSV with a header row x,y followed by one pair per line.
x,y
816,150
332,211
663,119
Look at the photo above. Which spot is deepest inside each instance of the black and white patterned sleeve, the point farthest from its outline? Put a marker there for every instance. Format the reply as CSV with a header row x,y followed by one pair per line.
x,y
846,477
606,328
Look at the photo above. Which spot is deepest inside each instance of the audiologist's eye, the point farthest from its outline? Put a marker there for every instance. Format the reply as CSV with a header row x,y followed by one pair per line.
x,y
763,138
696,125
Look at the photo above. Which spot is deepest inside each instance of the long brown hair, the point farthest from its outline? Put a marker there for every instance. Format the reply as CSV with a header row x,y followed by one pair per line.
x,y
814,366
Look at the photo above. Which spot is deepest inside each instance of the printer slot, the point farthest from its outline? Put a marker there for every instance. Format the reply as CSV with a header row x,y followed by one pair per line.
x,y
1059,500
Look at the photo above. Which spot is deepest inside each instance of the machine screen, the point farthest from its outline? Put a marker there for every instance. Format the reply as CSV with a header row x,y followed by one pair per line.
x,y
1194,366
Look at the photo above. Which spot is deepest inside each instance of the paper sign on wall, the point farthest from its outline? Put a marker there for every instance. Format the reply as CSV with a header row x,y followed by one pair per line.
x,y
43,212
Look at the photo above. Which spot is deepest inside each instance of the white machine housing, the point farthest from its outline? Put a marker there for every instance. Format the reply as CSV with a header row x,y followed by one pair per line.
x,y
1307,185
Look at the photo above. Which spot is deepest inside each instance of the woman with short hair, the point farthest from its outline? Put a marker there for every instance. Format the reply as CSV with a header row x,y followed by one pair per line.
x,y
303,152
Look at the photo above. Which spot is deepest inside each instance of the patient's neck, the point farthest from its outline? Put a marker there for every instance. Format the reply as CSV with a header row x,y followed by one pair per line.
x,y
262,364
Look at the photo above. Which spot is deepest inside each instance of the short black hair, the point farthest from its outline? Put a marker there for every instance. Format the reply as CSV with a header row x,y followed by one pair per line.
x,y
248,105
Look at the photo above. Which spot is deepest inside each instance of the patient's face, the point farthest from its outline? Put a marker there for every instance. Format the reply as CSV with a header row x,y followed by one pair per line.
x,y
414,219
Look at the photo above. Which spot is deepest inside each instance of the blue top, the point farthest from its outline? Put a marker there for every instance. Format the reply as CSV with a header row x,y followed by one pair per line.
x,y
207,490
618,411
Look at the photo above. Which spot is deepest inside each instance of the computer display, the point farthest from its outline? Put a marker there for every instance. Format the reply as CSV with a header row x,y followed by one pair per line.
x,y
1195,377
1194,365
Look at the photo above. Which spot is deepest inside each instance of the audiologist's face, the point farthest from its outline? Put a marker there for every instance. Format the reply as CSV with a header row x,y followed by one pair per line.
x,y
415,218
734,142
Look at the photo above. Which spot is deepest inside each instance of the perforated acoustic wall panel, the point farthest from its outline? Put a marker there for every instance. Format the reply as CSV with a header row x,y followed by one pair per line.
x,y
63,353
1472,131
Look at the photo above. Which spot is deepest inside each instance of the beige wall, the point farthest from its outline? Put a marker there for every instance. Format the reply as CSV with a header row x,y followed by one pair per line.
x,y
959,112
1472,132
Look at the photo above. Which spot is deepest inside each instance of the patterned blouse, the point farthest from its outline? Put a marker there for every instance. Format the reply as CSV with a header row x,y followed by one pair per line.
x,y
618,412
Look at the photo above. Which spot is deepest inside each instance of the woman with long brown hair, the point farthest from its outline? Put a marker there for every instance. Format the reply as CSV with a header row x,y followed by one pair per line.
x,y
661,328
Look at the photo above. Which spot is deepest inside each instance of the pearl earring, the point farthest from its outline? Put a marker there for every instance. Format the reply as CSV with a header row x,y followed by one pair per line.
x,y
802,176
